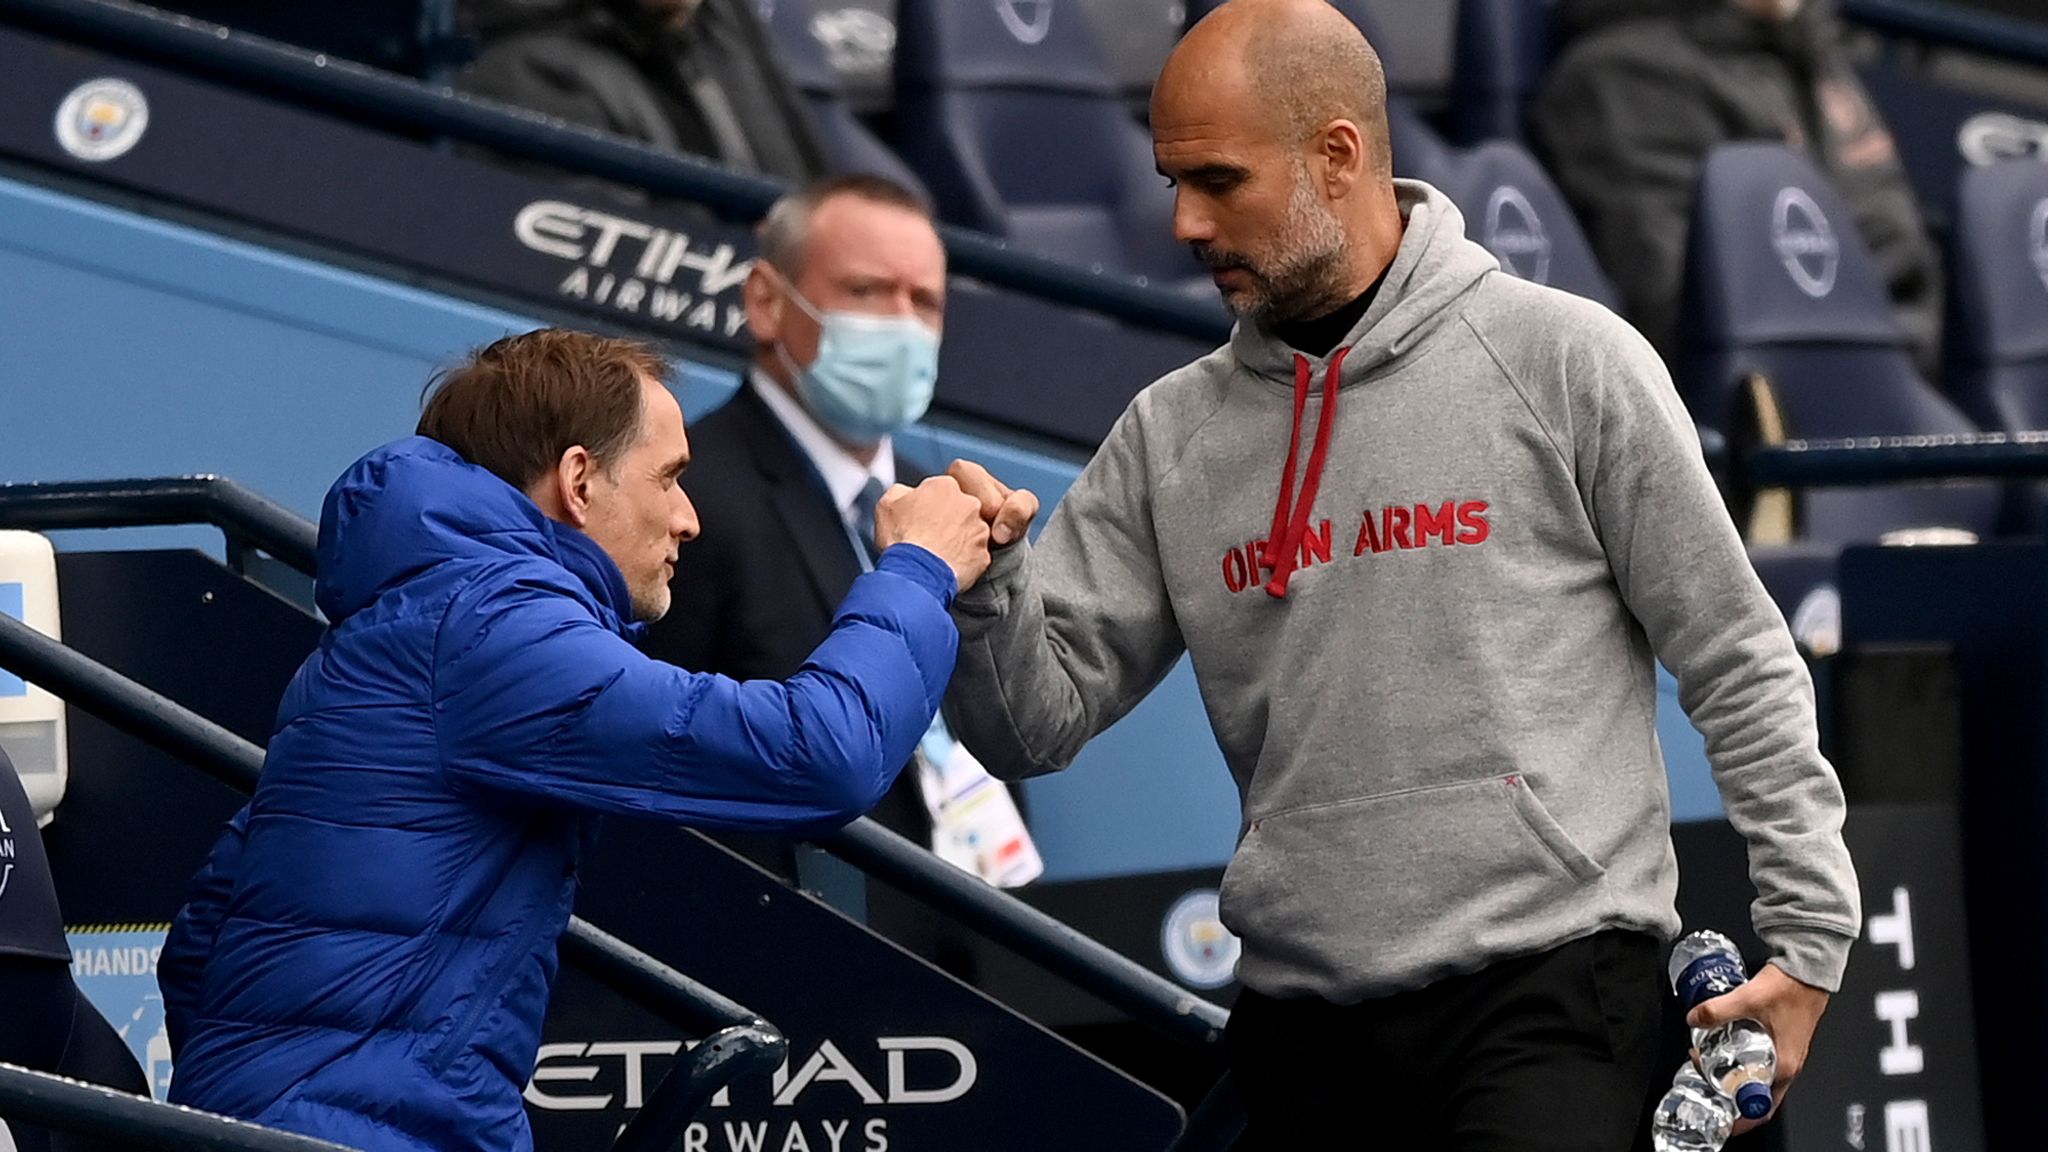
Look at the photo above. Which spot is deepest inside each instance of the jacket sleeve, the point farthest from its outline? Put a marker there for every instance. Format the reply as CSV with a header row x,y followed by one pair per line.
x,y
1686,578
1061,639
182,963
535,699
1627,136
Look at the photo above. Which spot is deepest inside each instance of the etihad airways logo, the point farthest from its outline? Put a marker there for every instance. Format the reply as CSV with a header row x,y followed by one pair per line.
x,y
1404,527
826,1100
637,268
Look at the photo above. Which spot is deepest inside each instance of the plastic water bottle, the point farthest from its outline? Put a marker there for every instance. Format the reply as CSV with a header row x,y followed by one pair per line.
x,y
1692,1117
1738,1057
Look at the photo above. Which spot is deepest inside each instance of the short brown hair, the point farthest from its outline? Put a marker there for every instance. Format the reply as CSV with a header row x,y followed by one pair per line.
x,y
517,404
786,229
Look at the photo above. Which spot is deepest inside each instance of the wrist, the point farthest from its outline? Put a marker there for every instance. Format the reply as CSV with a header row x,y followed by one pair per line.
x,y
923,567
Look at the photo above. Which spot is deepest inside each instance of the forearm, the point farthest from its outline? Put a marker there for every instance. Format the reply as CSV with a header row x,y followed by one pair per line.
x,y
1747,690
1011,701
1685,575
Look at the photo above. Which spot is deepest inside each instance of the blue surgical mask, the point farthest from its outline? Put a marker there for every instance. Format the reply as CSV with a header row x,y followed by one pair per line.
x,y
873,375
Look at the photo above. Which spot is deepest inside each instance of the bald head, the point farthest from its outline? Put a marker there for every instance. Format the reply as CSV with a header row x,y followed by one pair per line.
x,y
1297,65
1270,119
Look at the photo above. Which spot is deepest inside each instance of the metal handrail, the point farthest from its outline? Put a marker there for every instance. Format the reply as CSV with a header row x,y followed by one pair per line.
x,y
403,101
243,515
96,1110
719,1059
694,1006
1081,960
749,1041
1898,459
1983,32
1057,947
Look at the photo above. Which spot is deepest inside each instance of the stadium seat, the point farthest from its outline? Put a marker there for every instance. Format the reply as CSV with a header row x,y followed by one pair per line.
x,y
1789,333
1010,115
1503,46
1998,312
1514,209
1998,324
849,144
1135,37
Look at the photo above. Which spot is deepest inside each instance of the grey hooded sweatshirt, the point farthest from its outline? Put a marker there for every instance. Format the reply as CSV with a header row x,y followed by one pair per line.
x,y
1423,582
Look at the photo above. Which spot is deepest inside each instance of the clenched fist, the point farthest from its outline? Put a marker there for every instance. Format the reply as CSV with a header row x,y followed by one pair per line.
x,y
938,517
1008,511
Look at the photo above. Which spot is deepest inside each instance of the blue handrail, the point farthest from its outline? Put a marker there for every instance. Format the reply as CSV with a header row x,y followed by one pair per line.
x,y
401,101
1978,31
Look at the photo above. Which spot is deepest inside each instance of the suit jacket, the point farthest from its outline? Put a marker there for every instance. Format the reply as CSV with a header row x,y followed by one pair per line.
x,y
755,592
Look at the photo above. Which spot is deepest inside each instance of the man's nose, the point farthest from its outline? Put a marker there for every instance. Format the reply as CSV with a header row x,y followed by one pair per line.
x,y
683,524
1192,222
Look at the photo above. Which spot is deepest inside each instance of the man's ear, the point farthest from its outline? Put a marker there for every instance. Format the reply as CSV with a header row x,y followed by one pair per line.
x,y
1344,156
565,493
765,301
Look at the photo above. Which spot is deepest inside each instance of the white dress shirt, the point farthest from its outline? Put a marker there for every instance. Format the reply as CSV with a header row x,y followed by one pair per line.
x,y
844,475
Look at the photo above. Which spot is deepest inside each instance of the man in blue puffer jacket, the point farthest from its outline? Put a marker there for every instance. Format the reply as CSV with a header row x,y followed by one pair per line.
x,y
367,954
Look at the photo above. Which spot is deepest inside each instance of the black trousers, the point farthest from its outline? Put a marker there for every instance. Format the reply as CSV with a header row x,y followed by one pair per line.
x,y
1554,1051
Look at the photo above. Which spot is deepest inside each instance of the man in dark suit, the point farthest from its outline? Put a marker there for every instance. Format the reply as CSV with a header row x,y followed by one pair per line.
x,y
845,306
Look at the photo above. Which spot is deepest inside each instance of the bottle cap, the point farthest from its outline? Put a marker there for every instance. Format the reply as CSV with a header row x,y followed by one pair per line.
x,y
1753,1100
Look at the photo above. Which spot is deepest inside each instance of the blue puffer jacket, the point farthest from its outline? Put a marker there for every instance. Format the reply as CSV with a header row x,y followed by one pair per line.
x,y
368,952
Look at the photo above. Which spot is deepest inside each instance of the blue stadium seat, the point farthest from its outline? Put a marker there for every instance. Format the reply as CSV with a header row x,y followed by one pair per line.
x,y
1512,206
1778,284
1998,324
1008,111
849,144
1503,47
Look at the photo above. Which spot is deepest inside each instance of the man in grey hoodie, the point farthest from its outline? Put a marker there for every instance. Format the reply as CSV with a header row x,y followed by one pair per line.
x,y
1426,645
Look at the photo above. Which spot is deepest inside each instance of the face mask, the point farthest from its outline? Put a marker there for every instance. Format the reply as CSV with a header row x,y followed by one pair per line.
x,y
873,374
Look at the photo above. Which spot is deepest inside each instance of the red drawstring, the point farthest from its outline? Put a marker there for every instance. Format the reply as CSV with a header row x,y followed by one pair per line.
x,y
1290,517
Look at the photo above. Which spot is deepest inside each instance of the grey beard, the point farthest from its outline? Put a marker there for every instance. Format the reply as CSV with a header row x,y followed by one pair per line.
x,y
1308,281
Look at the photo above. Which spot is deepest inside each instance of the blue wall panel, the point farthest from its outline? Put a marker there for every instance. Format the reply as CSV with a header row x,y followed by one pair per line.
x,y
132,347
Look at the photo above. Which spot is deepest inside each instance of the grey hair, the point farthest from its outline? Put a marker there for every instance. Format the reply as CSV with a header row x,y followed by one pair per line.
x,y
786,229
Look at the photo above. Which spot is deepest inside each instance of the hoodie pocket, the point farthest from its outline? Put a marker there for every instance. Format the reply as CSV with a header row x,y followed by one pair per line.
x,y
1401,882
